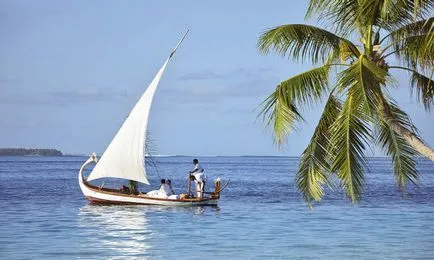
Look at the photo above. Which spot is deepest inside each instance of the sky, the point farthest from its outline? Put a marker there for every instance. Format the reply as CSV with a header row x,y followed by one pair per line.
x,y
70,72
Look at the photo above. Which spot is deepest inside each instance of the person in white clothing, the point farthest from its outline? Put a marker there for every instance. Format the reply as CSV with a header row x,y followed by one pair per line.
x,y
162,192
199,178
169,182
165,188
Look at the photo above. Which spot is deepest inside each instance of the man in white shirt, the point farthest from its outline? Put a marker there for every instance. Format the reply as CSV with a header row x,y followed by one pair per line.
x,y
200,178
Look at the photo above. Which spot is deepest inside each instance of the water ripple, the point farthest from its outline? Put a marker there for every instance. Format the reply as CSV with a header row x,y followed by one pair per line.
x,y
44,216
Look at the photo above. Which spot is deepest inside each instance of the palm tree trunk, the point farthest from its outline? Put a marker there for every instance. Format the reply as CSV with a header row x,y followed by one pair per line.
x,y
409,136
413,140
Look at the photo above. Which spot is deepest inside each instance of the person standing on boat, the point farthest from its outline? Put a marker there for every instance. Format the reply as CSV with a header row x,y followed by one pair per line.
x,y
200,178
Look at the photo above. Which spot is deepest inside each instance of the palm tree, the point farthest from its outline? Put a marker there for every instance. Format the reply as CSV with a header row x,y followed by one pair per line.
x,y
355,77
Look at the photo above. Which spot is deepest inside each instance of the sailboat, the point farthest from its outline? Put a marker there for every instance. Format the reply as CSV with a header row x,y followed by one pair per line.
x,y
124,158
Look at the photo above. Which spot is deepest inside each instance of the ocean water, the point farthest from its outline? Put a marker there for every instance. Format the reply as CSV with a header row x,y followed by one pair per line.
x,y
43,215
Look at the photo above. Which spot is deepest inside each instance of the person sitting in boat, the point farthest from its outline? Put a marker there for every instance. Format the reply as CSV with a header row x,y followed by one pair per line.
x,y
172,195
169,182
199,177
124,189
162,192
165,188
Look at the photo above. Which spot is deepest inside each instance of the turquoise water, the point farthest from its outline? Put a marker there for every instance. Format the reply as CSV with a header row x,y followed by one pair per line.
x,y
43,215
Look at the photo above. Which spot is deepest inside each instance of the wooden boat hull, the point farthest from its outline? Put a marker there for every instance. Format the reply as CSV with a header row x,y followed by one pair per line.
x,y
99,195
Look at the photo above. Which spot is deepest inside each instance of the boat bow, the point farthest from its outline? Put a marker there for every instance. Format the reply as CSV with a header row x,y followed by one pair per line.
x,y
92,159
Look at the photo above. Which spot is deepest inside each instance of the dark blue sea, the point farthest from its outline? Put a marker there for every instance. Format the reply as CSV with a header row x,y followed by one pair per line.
x,y
43,215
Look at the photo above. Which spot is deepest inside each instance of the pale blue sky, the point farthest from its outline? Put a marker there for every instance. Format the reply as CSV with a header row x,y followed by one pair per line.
x,y
70,71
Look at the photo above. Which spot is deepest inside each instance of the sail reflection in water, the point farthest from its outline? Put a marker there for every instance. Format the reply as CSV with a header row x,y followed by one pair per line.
x,y
116,230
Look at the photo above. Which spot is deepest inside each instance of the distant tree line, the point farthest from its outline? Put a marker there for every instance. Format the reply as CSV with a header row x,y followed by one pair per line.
x,y
29,152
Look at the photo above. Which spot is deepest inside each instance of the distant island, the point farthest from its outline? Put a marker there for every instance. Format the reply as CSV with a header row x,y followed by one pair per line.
x,y
29,152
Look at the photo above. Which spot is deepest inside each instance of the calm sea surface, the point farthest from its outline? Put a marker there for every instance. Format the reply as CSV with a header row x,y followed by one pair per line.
x,y
43,215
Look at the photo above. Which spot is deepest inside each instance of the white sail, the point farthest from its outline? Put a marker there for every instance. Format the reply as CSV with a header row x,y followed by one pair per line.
x,y
124,157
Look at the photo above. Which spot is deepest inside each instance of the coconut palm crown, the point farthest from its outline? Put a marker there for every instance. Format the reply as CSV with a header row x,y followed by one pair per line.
x,y
354,76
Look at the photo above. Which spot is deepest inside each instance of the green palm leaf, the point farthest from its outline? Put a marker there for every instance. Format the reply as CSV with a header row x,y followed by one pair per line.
x,y
416,51
430,40
363,79
413,29
280,113
424,88
399,13
313,170
369,12
279,109
348,15
308,87
301,41
343,13
350,133
395,146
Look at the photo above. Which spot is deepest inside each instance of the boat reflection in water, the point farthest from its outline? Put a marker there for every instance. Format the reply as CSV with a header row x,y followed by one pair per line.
x,y
116,230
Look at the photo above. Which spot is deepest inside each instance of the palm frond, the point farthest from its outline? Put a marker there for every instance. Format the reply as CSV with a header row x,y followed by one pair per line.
x,y
396,14
396,147
424,88
280,113
363,80
415,42
280,108
430,40
308,87
313,170
413,29
421,8
340,14
369,12
344,54
345,16
416,51
349,134
301,41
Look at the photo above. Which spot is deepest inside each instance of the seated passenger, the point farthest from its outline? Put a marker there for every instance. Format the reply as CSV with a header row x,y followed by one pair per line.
x,y
169,182
124,189
164,187
163,192
172,195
